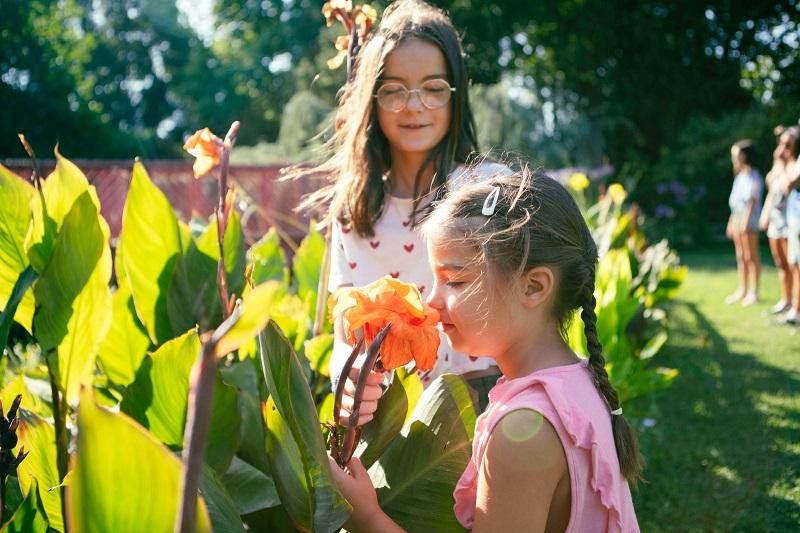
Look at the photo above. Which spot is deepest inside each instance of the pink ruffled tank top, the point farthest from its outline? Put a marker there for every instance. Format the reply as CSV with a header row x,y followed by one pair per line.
x,y
567,397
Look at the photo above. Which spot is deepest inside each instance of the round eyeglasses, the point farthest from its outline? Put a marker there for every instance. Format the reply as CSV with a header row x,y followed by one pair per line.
x,y
393,96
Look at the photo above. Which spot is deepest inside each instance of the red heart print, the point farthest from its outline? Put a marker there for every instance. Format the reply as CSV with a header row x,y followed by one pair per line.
x,y
374,244
406,223
345,230
395,275
473,359
421,289
408,247
352,265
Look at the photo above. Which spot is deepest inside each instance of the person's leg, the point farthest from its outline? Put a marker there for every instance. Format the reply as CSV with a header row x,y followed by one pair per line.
x,y
740,268
778,248
752,261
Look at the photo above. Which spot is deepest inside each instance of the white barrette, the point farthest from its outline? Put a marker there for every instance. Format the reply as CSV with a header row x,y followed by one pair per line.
x,y
617,412
488,209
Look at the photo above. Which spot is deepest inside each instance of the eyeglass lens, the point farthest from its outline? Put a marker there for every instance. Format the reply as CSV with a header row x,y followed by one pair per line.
x,y
394,96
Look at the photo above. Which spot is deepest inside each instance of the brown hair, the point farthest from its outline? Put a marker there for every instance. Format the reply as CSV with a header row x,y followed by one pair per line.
x,y
359,151
536,222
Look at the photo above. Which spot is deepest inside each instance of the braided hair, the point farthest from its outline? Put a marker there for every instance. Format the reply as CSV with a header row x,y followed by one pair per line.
x,y
536,222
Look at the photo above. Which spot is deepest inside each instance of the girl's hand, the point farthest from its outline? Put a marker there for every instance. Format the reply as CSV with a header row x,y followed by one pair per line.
x,y
357,489
369,402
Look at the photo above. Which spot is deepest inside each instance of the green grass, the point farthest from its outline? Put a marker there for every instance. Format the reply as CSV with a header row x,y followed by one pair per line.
x,y
724,452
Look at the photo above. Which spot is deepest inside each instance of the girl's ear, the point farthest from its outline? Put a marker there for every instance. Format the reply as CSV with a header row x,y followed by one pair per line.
x,y
537,285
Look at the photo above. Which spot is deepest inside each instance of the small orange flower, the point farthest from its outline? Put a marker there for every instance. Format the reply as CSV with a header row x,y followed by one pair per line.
x,y
413,335
204,146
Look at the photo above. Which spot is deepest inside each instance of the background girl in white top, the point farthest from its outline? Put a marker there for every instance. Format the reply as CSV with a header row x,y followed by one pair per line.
x,y
745,203
404,128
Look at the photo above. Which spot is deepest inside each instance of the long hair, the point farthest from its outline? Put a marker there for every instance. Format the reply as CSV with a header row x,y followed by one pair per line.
x,y
359,152
536,222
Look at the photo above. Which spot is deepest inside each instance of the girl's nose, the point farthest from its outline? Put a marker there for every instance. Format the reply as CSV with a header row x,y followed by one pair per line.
x,y
433,299
414,102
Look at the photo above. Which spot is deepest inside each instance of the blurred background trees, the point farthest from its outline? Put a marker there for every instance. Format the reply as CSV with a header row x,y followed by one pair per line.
x,y
659,90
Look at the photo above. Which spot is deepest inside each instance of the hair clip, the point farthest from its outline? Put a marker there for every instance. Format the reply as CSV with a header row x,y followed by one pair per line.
x,y
617,412
488,209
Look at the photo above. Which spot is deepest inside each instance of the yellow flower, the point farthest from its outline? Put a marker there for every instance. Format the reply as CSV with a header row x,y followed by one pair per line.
x,y
206,150
617,193
413,335
578,181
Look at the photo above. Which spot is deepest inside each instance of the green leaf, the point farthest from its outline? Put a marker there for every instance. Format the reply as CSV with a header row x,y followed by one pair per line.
x,y
150,243
60,191
416,476
250,489
30,517
306,265
39,438
20,291
124,480
221,507
318,352
158,400
158,397
15,218
72,297
125,345
395,408
294,404
235,261
289,473
268,259
248,319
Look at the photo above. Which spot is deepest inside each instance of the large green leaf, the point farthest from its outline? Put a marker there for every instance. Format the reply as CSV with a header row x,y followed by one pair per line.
x,y
124,479
72,297
291,476
221,507
394,409
150,244
306,265
19,292
416,476
326,509
250,489
125,345
60,191
39,438
30,517
268,259
193,296
158,399
15,218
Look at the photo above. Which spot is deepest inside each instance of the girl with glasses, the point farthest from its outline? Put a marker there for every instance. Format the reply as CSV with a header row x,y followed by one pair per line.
x,y
404,129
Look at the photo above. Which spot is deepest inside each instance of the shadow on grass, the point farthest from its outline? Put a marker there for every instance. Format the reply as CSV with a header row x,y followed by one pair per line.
x,y
723,453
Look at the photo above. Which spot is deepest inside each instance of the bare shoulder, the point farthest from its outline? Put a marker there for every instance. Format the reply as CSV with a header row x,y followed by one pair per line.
x,y
522,474
524,440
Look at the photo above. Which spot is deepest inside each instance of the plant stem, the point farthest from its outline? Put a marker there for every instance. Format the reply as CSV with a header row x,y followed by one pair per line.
x,y
350,441
62,444
222,218
198,419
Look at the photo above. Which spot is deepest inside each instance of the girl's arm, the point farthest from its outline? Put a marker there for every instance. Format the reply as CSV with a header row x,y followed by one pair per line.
x,y
357,489
748,212
763,221
524,482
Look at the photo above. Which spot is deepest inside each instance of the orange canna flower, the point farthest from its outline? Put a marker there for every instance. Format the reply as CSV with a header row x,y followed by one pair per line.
x,y
204,146
413,335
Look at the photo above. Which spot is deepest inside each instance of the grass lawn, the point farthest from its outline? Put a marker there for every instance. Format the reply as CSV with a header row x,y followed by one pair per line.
x,y
724,451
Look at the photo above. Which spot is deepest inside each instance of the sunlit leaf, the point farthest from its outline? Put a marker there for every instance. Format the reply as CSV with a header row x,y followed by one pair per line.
x,y
150,243
15,218
268,258
72,297
253,316
249,488
30,517
125,345
39,437
124,479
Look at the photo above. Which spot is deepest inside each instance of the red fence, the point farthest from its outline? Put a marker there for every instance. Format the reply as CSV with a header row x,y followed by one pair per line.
x,y
262,198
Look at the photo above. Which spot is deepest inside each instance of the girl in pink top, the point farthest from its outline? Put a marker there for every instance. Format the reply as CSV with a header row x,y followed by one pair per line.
x,y
513,260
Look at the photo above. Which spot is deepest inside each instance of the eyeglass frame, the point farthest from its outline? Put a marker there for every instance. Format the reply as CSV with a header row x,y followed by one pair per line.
x,y
409,91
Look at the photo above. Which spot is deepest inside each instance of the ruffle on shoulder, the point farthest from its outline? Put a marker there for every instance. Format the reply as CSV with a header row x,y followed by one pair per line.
x,y
606,476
